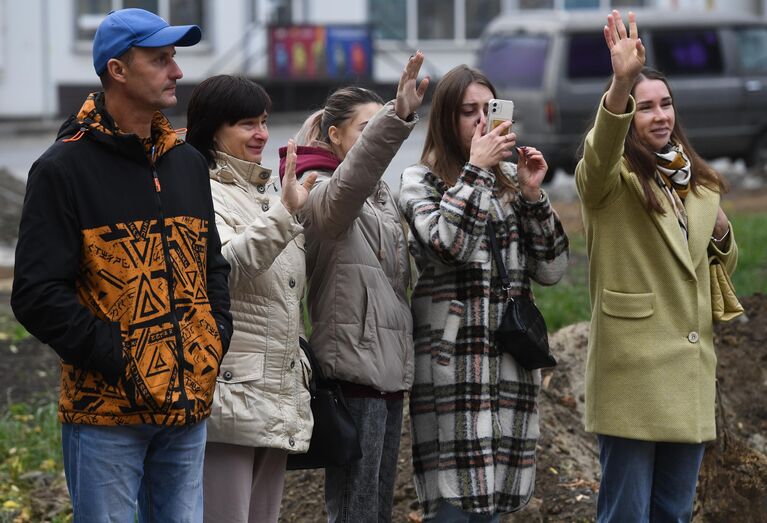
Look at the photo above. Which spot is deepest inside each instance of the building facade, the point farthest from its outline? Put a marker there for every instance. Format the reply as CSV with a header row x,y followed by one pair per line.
x,y
45,45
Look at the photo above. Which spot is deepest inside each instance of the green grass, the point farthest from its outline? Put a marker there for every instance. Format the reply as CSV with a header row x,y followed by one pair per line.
x,y
751,234
567,302
31,477
10,329
30,447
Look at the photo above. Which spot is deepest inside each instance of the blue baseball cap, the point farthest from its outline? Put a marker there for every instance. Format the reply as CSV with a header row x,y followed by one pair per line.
x,y
127,28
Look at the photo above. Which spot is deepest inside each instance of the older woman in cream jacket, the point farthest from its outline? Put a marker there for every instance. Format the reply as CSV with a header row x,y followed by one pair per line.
x,y
261,408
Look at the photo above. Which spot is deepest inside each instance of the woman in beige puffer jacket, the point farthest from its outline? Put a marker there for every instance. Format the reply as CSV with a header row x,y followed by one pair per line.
x,y
261,408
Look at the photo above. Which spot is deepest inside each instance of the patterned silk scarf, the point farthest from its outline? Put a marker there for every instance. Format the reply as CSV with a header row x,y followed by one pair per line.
x,y
673,177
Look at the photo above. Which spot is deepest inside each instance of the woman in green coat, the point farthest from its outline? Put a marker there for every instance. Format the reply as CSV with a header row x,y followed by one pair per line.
x,y
651,209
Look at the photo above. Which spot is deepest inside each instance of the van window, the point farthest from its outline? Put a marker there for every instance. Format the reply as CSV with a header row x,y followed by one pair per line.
x,y
588,57
687,52
752,49
514,60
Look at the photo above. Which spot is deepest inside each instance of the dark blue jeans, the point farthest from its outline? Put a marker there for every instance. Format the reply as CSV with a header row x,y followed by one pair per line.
x,y
647,481
109,469
363,492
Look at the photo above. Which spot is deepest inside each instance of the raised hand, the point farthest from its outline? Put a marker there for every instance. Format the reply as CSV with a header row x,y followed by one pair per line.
x,y
409,91
627,56
627,52
531,169
294,194
489,149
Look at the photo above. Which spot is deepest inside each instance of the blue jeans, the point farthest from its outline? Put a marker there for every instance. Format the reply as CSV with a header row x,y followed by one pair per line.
x,y
647,481
447,513
109,469
363,492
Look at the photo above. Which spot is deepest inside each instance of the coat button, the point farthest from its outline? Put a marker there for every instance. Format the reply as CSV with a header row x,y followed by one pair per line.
x,y
291,442
292,364
265,207
264,175
228,375
693,337
261,189
292,283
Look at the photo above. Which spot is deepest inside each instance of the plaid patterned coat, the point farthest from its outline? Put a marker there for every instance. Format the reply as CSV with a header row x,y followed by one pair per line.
x,y
473,410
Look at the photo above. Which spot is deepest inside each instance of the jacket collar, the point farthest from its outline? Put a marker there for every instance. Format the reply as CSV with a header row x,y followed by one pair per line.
x,y
229,169
701,210
93,117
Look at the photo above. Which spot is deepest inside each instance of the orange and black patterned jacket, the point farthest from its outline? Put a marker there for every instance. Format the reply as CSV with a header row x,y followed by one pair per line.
x,y
119,269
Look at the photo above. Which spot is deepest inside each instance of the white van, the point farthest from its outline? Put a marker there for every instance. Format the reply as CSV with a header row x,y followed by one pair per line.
x,y
555,66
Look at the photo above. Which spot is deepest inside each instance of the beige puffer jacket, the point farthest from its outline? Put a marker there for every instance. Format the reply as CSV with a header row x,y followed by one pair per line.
x,y
358,264
262,397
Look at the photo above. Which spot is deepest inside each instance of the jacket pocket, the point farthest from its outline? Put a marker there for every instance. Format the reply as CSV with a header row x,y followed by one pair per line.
x,y
383,318
628,305
303,395
236,390
240,367
444,350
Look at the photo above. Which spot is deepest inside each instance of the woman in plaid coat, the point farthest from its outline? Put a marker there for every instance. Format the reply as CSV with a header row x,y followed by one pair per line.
x,y
474,409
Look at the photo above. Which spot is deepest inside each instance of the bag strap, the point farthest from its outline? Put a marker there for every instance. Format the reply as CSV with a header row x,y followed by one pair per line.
x,y
317,375
503,273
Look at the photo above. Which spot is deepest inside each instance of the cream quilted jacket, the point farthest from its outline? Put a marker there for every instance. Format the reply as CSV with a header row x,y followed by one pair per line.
x,y
262,397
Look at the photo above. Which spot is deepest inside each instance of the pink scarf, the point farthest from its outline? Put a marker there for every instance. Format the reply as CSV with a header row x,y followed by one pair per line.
x,y
309,159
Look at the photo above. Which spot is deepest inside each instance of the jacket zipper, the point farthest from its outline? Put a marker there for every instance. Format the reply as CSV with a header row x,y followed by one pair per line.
x,y
172,301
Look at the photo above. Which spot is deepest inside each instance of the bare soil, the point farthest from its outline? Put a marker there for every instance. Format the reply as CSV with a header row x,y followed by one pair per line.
x,y
733,483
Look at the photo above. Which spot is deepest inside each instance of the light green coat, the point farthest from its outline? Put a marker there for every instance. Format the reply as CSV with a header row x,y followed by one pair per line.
x,y
651,364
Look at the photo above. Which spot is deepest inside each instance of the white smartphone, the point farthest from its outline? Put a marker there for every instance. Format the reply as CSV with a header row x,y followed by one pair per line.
x,y
498,111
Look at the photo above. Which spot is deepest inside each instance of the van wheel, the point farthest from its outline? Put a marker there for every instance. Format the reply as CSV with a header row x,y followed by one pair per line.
x,y
757,158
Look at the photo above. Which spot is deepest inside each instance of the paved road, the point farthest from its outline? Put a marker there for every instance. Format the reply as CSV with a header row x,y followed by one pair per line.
x,y
17,152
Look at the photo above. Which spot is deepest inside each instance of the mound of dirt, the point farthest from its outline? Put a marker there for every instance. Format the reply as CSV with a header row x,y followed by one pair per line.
x,y
733,482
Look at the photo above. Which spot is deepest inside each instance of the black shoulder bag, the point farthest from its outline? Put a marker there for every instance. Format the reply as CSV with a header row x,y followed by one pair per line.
x,y
522,332
334,440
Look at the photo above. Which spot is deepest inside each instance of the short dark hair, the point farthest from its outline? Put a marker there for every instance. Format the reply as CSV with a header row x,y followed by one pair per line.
x,y
219,100
126,58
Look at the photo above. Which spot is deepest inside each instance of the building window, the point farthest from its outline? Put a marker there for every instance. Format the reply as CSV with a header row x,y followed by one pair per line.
x,y
88,16
90,13
478,15
432,19
536,4
184,12
628,3
389,19
436,20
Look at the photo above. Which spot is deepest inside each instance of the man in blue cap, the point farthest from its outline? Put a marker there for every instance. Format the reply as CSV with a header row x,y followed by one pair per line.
x,y
119,269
